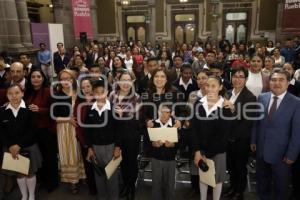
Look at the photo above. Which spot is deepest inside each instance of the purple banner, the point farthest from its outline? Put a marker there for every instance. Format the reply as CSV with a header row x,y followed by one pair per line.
x,y
40,34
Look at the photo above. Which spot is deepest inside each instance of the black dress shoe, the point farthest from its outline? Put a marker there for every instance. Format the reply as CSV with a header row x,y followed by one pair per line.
x,y
229,194
238,196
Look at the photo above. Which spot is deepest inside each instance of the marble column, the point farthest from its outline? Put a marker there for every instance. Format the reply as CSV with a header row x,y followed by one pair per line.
x,y
63,15
3,29
24,23
214,23
94,16
279,19
12,24
152,24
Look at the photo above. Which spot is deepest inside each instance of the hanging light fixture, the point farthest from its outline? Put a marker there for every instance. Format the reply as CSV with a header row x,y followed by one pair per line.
x,y
183,1
125,2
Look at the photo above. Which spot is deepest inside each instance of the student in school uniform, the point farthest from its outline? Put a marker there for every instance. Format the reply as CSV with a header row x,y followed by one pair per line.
x,y
18,128
210,129
163,158
102,140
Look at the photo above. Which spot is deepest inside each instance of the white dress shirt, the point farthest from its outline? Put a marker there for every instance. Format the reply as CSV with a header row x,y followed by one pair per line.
x,y
217,105
279,100
185,85
234,96
169,123
100,111
16,110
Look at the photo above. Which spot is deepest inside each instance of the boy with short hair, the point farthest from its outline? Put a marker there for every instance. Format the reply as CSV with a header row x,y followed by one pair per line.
x,y
102,140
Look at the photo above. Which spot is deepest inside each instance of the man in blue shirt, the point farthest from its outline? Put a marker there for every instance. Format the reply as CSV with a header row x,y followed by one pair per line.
x,y
44,59
288,52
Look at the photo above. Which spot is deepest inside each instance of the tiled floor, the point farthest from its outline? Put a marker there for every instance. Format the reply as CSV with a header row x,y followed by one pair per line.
x,y
143,191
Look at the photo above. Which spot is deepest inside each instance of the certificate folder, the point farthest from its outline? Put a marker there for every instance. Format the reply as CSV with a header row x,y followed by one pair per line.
x,y
112,166
20,165
208,177
163,134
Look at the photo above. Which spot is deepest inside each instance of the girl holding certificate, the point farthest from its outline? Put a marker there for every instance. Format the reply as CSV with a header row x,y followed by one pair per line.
x,y
18,128
210,128
163,157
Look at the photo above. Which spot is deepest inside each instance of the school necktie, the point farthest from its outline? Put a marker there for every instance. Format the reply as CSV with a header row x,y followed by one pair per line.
x,y
273,107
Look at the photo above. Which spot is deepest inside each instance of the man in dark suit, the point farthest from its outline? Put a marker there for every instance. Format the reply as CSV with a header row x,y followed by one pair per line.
x,y
92,57
174,72
152,64
276,137
60,58
26,61
239,138
186,84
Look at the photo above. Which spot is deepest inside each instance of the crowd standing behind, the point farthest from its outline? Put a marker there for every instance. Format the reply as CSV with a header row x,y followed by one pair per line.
x,y
107,94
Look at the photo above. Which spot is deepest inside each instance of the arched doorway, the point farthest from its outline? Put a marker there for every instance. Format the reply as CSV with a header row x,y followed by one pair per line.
x,y
136,27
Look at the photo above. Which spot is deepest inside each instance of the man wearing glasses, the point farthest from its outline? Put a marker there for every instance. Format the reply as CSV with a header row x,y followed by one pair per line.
x,y
239,139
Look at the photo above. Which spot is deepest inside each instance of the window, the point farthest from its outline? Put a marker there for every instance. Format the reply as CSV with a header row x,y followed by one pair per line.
x,y
136,19
184,17
236,16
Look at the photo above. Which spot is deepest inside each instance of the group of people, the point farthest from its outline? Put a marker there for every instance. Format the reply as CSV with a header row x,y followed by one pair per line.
x,y
225,102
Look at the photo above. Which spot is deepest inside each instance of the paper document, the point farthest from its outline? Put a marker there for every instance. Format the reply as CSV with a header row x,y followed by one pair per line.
x,y
112,166
163,134
20,165
208,177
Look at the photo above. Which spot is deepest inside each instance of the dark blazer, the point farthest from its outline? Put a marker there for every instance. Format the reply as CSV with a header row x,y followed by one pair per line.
x,y
295,89
241,127
18,130
210,134
191,87
279,137
60,64
172,74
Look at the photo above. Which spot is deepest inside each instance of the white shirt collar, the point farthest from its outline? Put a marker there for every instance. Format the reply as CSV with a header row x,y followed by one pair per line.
x,y
217,105
149,75
280,97
22,83
2,73
16,110
169,123
100,111
185,85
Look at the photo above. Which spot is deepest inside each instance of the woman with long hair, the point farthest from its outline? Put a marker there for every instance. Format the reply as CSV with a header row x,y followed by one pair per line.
x,y
257,82
127,103
84,100
71,163
37,97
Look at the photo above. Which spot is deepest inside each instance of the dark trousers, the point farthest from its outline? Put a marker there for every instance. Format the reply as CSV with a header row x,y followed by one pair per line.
x,y
47,143
266,174
237,158
88,171
296,178
129,164
163,179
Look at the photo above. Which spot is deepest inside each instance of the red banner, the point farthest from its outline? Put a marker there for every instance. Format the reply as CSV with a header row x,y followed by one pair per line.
x,y
291,11
82,18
